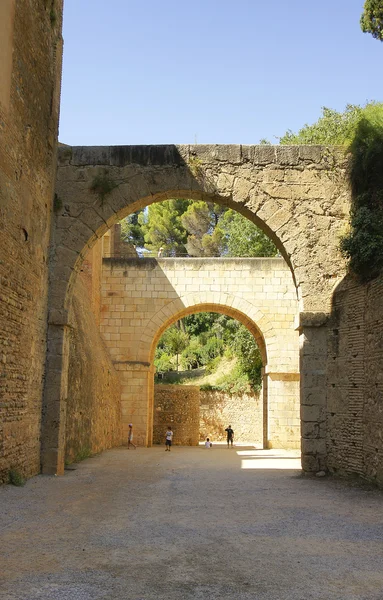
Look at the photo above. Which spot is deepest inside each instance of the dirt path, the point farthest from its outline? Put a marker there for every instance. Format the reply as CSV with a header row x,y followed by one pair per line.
x,y
193,523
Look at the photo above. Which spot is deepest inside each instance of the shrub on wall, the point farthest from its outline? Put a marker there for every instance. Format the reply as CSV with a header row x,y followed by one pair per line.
x,y
363,245
360,130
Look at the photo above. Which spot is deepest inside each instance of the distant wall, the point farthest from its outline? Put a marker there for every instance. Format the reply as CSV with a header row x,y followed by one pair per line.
x,y
355,380
30,73
94,396
177,406
244,412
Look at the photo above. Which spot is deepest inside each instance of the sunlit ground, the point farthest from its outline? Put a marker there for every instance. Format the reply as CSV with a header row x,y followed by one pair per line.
x,y
270,459
254,457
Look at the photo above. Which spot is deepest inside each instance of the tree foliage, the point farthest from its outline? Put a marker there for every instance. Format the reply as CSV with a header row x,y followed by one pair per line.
x,y
131,230
186,227
371,20
332,128
209,336
162,227
174,341
201,221
243,238
363,245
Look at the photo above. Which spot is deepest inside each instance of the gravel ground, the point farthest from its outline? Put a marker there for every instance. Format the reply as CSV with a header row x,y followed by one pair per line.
x,y
192,523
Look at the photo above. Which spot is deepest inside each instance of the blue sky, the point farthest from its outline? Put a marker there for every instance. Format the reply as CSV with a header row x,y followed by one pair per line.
x,y
210,71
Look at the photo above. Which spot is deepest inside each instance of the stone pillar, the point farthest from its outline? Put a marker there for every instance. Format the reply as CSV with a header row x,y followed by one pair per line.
x,y
313,366
265,408
115,240
55,395
137,389
283,410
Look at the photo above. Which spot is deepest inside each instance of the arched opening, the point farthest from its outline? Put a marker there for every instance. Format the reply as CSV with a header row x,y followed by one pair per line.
x,y
223,346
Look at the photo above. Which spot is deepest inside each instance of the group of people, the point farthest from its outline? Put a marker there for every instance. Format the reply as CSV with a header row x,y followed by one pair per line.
x,y
169,438
229,438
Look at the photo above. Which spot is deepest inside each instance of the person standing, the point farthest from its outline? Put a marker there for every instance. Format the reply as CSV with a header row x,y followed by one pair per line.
x,y
169,438
130,436
230,436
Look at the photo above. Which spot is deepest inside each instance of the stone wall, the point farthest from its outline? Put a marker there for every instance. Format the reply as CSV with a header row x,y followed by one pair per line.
x,y
355,380
30,71
93,421
179,407
243,412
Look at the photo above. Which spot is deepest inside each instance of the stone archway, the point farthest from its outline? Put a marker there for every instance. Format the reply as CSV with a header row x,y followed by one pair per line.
x,y
143,297
230,310
299,196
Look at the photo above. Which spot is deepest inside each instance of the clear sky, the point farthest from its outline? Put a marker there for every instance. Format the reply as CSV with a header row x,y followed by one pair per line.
x,y
210,71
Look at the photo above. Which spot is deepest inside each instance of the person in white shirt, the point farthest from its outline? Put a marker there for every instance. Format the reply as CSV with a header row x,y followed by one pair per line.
x,y
208,443
169,438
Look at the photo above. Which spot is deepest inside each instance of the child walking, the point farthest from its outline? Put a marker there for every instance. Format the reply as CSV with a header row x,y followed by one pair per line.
x,y
169,438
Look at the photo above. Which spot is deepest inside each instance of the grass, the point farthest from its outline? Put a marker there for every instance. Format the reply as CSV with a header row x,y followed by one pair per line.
x,y
15,478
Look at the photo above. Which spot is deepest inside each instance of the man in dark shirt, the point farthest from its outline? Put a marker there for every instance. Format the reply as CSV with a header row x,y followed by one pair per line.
x,y
230,436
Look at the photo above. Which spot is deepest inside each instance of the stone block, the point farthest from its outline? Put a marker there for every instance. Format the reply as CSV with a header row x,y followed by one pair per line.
x,y
287,155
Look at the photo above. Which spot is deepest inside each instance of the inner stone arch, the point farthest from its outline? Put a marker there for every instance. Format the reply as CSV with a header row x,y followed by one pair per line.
x,y
229,310
243,289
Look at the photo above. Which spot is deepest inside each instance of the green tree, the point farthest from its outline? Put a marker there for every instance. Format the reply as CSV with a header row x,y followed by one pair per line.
x,y
162,227
363,245
249,356
197,229
371,20
201,222
163,362
131,230
243,238
175,341
332,128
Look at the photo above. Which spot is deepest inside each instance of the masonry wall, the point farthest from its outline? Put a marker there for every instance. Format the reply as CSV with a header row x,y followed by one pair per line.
x,y
93,420
355,380
30,71
179,407
244,412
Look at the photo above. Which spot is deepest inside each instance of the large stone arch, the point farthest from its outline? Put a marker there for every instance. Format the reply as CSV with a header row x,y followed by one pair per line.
x,y
298,195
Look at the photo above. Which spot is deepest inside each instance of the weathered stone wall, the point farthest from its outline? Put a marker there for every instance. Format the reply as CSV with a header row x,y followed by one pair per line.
x,y
355,380
94,396
30,71
179,407
244,412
